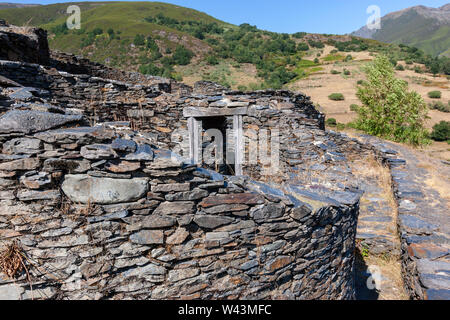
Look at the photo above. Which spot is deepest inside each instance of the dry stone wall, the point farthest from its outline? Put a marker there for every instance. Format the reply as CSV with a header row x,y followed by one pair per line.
x,y
91,196
101,213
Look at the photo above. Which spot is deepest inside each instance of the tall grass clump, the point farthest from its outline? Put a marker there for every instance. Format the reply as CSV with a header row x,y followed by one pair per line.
x,y
389,110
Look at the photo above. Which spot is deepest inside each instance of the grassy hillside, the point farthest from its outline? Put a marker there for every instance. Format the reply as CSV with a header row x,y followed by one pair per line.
x,y
173,41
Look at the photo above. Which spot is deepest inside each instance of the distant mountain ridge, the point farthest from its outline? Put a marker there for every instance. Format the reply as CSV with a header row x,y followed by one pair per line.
x,y
8,5
420,26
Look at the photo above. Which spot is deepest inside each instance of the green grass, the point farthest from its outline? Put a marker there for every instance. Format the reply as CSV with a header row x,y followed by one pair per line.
x,y
334,57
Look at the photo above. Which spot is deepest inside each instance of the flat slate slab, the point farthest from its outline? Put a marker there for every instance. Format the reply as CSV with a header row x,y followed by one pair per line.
x,y
83,188
28,121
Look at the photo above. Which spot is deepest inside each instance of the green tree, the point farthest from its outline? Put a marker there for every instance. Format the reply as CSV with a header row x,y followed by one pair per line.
x,y
389,109
182,56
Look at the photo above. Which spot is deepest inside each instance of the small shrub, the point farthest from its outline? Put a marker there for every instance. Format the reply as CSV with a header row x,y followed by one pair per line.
x,y
316,60
331,122
434,94
418,69
441,131
139,40
400,67
302,46
354,107
347,72
212,60
340,126
242,88
336,96
360,82
182,56
348,58
335,72
438,105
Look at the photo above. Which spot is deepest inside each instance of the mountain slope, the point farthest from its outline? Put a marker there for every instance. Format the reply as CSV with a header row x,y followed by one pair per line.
x,y
7,5
172,41
422,27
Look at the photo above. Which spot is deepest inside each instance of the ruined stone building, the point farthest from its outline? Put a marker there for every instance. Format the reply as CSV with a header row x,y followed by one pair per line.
x,y
104,203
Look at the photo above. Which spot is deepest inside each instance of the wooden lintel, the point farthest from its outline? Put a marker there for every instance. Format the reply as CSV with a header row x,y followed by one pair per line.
x,y
213,112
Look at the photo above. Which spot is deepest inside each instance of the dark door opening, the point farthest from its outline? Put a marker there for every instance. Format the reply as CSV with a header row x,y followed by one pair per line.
x,y
224,158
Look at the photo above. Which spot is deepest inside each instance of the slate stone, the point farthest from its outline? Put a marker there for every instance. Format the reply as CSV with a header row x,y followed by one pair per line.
x,y
123,145
26,121
143,153
108,217
35,180
178,237
269,211
182,274
146,237
22,146
83,188
29,195
211,222
149,222
98,151
233,198
72,166
123,166
181,207
20,164
150,269
416,225
171,187
195,194
81,135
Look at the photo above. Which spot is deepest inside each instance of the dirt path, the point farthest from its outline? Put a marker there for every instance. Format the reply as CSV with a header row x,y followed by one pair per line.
x,y
421,187
378,267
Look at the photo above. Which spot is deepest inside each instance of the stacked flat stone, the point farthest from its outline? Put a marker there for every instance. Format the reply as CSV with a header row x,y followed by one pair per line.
x,y
101,213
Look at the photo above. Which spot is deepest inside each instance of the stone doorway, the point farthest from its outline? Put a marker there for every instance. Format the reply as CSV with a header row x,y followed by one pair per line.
x,y
229,123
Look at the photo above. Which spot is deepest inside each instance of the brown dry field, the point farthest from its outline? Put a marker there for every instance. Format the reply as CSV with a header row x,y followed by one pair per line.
x,y
320,85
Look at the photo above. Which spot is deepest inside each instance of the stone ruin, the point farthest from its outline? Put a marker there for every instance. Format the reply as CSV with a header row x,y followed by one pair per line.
x,y
93,195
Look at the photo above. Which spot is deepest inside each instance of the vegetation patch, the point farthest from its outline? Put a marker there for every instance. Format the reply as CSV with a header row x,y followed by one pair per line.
x,y
434,94
336,96
389,109
441,131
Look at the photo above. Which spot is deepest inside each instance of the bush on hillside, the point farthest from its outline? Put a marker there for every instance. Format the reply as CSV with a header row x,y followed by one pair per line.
x,y
212,60
302,46
182,56
139,40
441,131
434,94
354,107
438,105
336,96
389,109
335,72
331,122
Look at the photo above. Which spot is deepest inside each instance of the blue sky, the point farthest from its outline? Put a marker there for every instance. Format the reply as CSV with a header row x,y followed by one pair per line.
x,y
318,16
